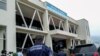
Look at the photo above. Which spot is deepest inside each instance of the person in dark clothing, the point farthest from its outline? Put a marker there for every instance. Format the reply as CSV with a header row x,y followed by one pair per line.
x,y
39,49
3,53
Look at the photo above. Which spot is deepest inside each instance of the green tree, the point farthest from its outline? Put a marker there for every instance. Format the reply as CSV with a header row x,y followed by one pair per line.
x,y
14,54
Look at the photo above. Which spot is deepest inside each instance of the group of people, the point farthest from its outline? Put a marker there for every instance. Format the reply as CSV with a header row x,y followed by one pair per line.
x,y
38,49
4,53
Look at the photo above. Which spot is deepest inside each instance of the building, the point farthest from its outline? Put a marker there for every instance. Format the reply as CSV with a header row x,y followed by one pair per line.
x,y
22,20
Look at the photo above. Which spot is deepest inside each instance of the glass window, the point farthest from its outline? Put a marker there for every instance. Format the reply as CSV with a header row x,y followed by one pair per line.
x,y
2,40
85,48
3,1
3,4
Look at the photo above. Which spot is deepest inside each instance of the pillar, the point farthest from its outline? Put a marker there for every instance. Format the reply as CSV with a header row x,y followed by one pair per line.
x,y
45,21
11,39
11,26
74,43
69,43
79,42
66,25
48,38
48,41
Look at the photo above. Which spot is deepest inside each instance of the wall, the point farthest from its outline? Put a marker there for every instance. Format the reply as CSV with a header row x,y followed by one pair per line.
x,y
83,29
7,18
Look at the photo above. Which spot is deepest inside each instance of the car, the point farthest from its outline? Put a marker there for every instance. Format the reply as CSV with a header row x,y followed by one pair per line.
x,y
85,50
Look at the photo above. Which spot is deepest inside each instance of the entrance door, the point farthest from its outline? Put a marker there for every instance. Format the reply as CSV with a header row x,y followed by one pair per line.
x,y
59,44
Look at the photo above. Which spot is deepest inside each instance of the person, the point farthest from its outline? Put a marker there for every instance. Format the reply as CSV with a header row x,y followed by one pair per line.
x,y
61,53
3,53
19,52
72,53
10,54
96,54
39,49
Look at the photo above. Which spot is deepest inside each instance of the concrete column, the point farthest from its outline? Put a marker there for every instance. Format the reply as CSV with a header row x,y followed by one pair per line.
x,y
11,38
48,38
48,41
11,26
79,42
69,43
74,43
45,21
66,25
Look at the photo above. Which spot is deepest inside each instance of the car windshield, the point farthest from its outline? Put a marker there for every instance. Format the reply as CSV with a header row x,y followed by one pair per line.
x,y
85,48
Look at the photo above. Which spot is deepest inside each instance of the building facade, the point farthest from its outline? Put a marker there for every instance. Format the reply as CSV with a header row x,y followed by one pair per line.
x,y
22,20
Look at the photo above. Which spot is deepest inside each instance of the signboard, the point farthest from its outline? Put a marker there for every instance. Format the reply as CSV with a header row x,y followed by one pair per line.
x,y
55,9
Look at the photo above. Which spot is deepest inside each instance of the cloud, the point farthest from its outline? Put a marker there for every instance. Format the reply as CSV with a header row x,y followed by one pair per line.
x,y
96,40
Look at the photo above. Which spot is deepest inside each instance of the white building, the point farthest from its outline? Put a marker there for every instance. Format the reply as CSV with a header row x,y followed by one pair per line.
x,y
22,20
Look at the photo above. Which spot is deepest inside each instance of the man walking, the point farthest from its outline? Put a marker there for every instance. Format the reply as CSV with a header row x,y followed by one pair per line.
x,y
39,49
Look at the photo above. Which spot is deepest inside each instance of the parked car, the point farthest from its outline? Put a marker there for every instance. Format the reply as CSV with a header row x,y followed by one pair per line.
x,y
86,50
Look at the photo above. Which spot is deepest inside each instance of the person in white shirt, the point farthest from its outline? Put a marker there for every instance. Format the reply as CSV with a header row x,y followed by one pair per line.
x,y
19,53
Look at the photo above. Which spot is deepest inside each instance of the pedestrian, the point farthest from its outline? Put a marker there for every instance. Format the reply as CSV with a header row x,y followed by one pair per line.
x,y
72,53
39,49
71,50
96,54
10,54
3,53
19,53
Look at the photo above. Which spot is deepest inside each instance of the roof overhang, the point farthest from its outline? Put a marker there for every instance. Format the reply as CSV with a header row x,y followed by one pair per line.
x,y
34,4
62,34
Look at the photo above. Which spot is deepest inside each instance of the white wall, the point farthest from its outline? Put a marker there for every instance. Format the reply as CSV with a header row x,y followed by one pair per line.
x,y
7,18
83,29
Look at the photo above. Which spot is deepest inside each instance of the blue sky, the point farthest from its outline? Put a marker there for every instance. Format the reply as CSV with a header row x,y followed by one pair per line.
x,y
78,9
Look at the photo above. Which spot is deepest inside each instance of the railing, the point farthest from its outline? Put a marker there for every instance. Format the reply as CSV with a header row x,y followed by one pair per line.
x,y
33,27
